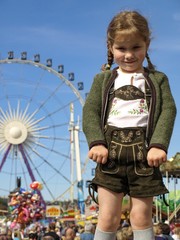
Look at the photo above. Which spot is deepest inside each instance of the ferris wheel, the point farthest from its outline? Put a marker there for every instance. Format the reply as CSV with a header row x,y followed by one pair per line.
x,y
40,127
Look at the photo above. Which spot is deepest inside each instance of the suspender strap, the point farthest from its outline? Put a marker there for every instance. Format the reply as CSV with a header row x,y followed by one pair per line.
x,y
92,191
147,94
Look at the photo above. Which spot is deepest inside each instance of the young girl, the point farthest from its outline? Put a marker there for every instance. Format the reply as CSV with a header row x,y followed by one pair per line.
x,y
128,119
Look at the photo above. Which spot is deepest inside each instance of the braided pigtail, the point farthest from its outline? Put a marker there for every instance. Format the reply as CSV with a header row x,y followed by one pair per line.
x,y
110,58
150,65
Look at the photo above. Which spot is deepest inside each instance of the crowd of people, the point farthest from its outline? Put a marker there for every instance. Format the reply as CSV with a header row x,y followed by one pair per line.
x,y
60,231
162,231
55,230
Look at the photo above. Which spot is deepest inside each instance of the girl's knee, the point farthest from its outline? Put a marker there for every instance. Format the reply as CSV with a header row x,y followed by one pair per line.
x,y
109,223
141,220
141,213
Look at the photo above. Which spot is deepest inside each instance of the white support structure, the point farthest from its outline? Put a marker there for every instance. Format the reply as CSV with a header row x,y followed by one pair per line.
x,y
71,129
75,151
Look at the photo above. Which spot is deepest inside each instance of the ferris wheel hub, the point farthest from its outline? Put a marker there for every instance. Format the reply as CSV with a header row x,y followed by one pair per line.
x,y
15,132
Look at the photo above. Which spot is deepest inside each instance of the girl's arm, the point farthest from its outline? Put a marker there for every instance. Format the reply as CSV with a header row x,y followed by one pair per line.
x,y
164,124
92,114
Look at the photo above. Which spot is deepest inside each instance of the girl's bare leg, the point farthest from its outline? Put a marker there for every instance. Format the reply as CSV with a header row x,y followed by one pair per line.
x,y
141,218
109,214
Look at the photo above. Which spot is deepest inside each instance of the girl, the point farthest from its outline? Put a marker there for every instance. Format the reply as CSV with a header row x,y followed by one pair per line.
x,y
128,119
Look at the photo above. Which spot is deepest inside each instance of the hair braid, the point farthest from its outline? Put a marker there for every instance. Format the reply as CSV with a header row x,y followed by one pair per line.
x,y
110,58
150,65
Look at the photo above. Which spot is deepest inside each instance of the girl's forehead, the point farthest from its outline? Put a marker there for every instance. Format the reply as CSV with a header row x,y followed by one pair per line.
x,y
127,37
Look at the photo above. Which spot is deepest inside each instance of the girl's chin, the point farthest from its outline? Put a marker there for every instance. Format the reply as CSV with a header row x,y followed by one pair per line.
x,y
130,69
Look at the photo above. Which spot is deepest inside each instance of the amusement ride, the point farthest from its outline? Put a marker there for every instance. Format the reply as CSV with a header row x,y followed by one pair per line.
x,y
40,128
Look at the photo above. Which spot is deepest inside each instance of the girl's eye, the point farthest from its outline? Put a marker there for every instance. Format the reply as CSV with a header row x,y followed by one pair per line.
x,y
136,47
121,48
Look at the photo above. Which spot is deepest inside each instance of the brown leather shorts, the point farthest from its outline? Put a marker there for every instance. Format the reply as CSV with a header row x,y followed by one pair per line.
x,y
127,170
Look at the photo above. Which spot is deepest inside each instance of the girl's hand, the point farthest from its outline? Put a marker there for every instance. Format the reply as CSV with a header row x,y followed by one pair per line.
x,y
98,154
156,157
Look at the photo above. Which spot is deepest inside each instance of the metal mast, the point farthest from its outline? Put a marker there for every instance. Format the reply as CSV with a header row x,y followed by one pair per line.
x,y
74,139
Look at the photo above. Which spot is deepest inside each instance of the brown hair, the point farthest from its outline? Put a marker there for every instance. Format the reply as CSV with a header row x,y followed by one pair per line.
x,y
128,22
52,226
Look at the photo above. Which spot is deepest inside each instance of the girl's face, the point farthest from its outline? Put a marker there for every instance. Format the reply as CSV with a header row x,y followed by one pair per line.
x,y
129,52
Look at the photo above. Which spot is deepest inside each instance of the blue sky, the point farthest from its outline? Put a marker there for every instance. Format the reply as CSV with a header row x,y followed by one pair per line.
x,y
73,33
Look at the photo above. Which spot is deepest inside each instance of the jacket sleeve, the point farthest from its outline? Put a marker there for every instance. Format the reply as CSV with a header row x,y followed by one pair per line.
x,y
164,121
92,114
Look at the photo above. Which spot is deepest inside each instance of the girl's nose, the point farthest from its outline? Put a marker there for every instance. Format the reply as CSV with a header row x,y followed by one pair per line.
x,y
129,55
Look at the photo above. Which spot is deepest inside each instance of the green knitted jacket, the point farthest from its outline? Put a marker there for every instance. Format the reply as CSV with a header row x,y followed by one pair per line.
x,y
162,111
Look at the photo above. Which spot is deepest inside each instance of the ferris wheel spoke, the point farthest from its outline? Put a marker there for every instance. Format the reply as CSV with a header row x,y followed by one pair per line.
x,y
10,109
5,156
21,149
23,169
44,102
51,138
3,116
42,179
65,192
47,148
33,122
17,110
13,114
23,117
36,88
57,110
3,145
29,118
57,171
38,129
49,97
63,107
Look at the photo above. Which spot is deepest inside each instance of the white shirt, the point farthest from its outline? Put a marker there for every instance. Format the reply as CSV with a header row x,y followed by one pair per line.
x,y
129,113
